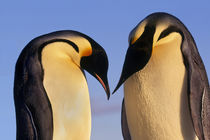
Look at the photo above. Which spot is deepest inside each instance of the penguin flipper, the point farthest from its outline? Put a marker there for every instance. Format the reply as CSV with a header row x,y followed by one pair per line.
x,y
25,127
125,129
33,109
198,89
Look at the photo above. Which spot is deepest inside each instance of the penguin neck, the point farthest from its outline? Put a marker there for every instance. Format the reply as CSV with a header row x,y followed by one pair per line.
x,y
156,97
67,90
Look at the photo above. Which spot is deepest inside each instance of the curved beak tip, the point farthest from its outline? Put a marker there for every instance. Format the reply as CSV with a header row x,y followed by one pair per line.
x,y
108,97
118,86
107,92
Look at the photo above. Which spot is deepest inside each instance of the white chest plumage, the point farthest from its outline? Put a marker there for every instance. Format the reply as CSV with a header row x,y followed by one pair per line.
x,y
156,97
67,90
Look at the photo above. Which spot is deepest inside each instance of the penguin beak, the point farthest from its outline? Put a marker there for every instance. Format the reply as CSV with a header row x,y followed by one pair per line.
x,y
123,77
121,81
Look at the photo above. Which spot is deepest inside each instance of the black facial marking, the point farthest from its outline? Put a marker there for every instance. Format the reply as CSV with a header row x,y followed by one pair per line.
x,y
138,54
168,31
62,40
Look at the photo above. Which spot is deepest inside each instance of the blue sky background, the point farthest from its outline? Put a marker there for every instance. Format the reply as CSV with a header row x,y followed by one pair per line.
x,y
109,23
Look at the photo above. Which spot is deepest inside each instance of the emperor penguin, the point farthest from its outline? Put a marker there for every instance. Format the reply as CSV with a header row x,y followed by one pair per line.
x,y
50,88
166,89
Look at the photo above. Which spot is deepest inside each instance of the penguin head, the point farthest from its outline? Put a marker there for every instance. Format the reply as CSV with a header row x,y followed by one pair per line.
x,y
84,52
155,30
94,60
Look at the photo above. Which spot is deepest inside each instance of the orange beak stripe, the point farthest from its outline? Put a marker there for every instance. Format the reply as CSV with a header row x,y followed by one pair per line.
x,y
100,80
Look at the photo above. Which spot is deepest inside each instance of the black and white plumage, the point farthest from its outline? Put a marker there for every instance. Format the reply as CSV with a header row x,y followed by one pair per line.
x,y
166,90
50,89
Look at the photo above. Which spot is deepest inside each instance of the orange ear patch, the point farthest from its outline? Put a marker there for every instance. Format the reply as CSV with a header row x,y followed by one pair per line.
x,y
86,52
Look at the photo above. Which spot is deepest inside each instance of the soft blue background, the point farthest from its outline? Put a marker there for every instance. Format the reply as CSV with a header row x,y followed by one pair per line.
x,y
109,23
